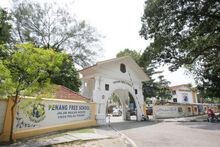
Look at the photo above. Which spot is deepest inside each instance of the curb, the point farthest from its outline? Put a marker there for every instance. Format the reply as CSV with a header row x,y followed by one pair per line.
x,y
131,142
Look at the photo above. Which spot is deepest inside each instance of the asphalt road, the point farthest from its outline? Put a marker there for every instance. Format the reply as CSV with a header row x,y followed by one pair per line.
x,y
172,134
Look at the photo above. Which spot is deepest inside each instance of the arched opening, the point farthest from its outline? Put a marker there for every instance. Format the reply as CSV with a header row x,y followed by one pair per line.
x,y
114,76
121,106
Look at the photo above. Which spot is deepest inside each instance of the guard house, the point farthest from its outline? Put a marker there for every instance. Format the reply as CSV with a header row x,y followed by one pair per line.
x,y
120,76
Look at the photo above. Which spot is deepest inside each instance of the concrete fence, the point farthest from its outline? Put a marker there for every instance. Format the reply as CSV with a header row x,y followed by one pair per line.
x,y
182,110
3,107
47,115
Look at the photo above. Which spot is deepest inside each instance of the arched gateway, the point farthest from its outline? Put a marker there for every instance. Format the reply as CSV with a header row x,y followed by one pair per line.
x,y
120,76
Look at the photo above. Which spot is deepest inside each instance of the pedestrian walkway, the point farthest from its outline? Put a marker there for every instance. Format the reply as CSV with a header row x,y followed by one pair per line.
x,y
102,136
105,136
69,137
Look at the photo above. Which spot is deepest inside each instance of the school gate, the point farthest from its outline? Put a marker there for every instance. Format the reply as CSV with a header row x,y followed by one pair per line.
x,y
120,76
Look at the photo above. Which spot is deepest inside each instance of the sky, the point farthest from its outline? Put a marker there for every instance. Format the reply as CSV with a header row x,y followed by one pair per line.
x,y
119,21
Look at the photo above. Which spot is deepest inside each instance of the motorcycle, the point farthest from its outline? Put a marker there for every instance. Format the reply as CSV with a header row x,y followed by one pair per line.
x,y
212,118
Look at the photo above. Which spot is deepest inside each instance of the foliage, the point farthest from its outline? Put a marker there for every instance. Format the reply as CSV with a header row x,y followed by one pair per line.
x,y
127,52
185,33
4,26
211,100
156,89
27,69
50,26
45,92
5,35
5,78
68,75
115,99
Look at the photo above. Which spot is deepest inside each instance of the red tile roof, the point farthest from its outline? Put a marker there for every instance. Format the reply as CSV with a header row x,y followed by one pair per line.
x,y
66,93
177,87
61,92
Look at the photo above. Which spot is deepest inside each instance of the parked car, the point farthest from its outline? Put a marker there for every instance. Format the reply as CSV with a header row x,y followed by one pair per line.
x,y
116,112
149,111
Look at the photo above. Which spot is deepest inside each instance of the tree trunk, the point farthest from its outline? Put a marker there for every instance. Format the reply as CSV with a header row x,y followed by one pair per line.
x,y
12,118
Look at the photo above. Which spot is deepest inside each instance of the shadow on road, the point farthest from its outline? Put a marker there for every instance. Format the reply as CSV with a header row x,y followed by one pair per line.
x,y
125,125
201,125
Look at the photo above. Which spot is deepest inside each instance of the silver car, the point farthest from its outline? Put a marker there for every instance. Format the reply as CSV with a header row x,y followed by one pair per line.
x,y
116,112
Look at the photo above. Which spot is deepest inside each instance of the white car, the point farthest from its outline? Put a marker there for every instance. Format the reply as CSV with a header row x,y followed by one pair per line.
x,y
116,112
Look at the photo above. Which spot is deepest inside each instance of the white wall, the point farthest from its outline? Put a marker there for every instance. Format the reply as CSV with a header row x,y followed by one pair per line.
x,y
168,111
3,107
113,71
180,96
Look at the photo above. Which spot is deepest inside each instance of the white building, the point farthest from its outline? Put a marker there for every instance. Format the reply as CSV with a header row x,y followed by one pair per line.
x,y
183,94
120,76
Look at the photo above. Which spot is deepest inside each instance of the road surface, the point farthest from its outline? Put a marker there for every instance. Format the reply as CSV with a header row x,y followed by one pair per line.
x,y
172,134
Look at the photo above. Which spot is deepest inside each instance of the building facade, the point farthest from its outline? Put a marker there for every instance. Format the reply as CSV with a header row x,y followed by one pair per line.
x,y
183,94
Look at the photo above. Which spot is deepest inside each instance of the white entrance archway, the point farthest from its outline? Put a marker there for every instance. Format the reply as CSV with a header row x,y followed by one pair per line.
x,y
120,75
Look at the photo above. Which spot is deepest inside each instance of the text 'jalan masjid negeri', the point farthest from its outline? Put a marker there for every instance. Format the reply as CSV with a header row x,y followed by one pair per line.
x,y
68,107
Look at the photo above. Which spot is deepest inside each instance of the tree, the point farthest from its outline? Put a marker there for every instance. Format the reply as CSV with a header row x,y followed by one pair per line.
x,y
115,99
185,33
48,26
127,52
68,75
4,26
28,69
4,78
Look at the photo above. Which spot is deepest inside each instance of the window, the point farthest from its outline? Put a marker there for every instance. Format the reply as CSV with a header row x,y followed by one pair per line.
x,y
195,109
174,92
175,100
189,109
136,91
185,97
123,68
180,109
107,87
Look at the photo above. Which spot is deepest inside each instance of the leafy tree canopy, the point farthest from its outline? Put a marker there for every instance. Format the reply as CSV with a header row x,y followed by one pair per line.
x,y
28,68
4,26
68,75
127,52
185,33
50,26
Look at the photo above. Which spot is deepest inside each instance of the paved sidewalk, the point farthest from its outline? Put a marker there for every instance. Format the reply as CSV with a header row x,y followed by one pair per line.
x,y
69,137
103,136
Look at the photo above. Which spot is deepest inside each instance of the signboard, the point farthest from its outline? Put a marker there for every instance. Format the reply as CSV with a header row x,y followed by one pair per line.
x,y
49,113
168,111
